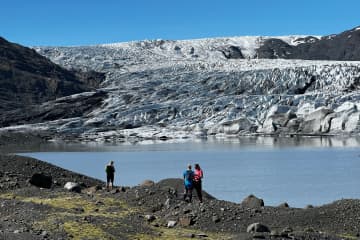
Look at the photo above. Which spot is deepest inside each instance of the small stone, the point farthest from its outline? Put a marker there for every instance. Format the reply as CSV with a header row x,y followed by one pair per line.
x,y
171,224
150,218
79,209
73,187
275,233
201,235
186,210
186,221
287,230
115,191
215,219
189,235
167,203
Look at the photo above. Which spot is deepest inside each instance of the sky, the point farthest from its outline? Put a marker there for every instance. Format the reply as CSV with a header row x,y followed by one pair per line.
x,y
88,22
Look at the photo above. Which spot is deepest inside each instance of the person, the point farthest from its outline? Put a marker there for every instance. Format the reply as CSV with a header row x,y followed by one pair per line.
x,y
188,183
198,175
110,172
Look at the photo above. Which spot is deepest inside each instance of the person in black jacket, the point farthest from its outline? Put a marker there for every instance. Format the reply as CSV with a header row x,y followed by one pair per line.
x,y
110,174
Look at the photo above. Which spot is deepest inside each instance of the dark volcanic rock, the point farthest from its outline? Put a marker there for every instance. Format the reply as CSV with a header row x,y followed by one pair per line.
x,y
232,52
41,180
275,48
27,78
66,107
341,47
252,202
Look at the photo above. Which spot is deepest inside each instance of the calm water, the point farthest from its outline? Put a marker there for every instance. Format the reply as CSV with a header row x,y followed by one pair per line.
x,y
297,171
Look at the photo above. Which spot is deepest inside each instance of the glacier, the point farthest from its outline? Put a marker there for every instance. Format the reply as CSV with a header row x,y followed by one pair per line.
x,y
167,89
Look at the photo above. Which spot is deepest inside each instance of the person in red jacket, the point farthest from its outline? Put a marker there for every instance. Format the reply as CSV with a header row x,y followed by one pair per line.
x,y
198,175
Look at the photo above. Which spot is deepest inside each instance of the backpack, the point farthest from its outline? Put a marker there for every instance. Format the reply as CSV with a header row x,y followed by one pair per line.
x,y
189,175
109,169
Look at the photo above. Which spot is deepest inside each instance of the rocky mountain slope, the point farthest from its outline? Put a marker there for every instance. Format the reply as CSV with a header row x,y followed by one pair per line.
x,y
175,89
344,46
27,78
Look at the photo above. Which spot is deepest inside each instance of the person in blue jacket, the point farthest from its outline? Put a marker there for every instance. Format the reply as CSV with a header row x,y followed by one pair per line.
x,y
188,183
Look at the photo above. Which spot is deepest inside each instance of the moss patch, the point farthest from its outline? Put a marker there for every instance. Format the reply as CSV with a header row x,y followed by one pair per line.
x,y
80,231
348,236
179,233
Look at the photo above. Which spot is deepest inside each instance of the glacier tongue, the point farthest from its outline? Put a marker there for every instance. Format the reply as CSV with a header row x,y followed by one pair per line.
x,y
179,89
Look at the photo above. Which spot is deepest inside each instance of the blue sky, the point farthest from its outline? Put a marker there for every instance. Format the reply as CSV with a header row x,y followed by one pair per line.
x,y
82,22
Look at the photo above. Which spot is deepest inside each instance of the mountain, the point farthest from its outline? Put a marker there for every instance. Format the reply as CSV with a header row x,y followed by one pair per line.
x,y
161,89
342,47
28,78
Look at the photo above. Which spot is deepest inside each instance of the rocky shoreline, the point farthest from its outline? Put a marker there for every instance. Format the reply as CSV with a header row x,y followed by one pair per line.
x,y
149,210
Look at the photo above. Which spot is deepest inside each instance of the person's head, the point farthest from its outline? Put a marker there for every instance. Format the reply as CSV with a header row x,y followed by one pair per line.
x,y
111,162
189,166
197,166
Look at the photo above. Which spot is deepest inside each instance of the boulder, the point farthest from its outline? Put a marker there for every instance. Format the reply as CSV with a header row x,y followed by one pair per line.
x,y
147,183
41,180
73,187
284,205
252,202
256,228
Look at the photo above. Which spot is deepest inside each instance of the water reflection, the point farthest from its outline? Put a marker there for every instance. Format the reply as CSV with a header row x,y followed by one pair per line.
x,y
199,144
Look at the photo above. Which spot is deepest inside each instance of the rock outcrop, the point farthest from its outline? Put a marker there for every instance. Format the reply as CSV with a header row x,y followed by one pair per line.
x,y
28,78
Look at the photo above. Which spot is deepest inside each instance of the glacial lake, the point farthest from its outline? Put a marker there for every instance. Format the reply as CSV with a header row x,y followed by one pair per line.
x,y
299,171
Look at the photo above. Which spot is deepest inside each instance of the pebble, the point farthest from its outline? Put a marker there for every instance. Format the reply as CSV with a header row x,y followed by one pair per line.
x,y
171,224
215,219
150,218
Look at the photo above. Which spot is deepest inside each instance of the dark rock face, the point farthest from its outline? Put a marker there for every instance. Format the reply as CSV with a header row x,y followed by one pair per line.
x,y
341,47
275,48
67,107
28,78
232,52
41,180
